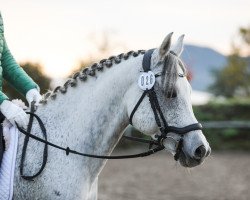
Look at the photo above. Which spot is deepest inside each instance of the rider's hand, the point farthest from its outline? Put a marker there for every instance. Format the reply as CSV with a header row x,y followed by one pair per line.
x,y
14,113
33,95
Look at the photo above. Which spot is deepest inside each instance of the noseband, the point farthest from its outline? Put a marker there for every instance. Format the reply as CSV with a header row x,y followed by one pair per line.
x,y
159,117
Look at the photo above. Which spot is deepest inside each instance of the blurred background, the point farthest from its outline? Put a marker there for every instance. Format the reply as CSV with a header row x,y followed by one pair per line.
x,y
53,39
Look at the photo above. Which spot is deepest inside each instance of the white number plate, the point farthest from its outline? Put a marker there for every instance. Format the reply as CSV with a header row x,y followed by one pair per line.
x,y
146,80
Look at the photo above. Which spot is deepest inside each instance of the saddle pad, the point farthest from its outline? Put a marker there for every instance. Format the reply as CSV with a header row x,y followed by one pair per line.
x,y
8,163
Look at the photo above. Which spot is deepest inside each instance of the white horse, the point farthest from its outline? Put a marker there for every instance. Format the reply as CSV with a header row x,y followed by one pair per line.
x,y
89,114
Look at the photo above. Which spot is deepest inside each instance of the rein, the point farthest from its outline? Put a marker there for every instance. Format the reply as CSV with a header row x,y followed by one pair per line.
x,y
159,118
67,150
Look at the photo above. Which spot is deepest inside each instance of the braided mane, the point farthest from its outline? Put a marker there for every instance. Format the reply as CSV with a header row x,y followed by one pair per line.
x,y
89,71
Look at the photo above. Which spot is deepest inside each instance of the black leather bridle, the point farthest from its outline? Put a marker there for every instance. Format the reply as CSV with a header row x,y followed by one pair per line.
x,y
159,118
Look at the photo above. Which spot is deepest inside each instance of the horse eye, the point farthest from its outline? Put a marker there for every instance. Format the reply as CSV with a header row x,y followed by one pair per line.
x,y
172,94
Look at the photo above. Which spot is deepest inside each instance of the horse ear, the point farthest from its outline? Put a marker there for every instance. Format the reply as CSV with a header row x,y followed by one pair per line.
x,y
178,47
165,46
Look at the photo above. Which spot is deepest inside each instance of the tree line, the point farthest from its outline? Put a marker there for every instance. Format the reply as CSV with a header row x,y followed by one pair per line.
x,y
233,81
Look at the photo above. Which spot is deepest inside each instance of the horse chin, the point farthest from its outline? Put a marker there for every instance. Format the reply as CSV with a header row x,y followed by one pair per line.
x,y
187,161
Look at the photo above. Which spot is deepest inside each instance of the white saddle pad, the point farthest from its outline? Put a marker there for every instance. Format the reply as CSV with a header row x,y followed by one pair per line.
x,y
8,163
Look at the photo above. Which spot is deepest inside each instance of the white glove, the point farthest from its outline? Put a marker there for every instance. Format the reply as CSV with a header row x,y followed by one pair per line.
x,y
33,95
14,113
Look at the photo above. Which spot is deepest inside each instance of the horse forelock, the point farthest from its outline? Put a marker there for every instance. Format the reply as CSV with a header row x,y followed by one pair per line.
x,y
170,72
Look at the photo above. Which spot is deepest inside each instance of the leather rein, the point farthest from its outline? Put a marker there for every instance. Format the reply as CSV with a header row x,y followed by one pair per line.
x,y
159,118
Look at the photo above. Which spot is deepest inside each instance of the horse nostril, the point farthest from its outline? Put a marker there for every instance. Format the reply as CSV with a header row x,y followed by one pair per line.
x,y
200,152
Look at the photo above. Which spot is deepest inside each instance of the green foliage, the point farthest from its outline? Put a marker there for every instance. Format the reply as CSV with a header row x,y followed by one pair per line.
x,y
35,71
230,132
234,79
225,139
229,110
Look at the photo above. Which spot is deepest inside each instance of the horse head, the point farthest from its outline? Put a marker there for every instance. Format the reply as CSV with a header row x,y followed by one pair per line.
x,y
173,115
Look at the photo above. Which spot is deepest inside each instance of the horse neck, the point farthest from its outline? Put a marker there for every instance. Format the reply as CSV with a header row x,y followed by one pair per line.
x,y
92,116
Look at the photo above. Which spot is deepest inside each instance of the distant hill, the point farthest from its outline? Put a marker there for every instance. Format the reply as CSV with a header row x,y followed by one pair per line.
x,y
201,61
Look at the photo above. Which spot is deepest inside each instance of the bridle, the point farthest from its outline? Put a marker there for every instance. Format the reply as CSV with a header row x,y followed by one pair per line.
x,y
159,117
158,142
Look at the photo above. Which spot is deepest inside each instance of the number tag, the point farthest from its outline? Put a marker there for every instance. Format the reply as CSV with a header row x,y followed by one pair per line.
x,y
146,80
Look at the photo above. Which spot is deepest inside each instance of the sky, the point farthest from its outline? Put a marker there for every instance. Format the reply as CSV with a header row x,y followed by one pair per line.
x,y
60,33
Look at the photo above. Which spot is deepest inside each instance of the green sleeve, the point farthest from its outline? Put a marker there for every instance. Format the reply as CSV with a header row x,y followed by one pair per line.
x,y
14,74
2,97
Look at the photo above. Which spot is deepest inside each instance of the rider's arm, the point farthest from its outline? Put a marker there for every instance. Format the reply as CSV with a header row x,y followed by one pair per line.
x,y
14,74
